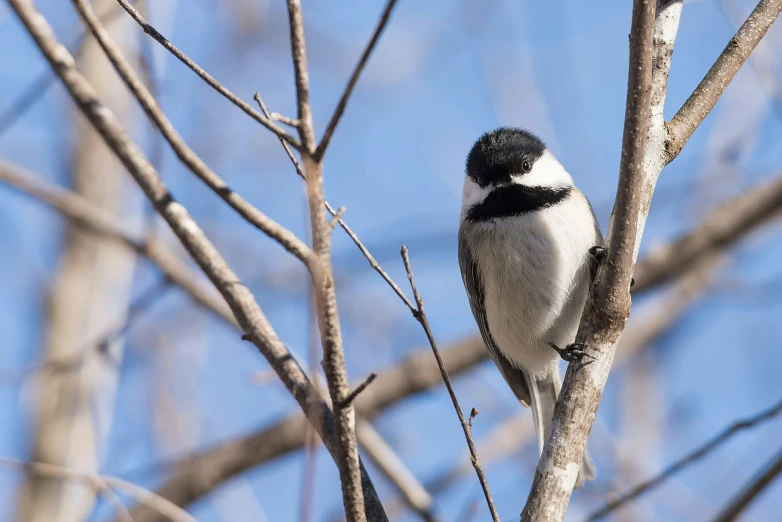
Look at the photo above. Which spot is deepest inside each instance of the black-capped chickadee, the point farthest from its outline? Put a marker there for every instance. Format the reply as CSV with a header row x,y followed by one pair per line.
x,y
526,252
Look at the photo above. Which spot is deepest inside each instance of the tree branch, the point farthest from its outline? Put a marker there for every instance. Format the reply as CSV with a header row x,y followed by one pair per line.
x,y
695,456
343,101
608,306
324,290
702,100
420,316
209,79
190,159
246,310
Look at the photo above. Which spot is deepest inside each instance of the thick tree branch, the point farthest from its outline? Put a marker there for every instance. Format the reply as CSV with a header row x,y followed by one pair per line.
x,y
702,100
343,101
209,79
609,303
249,315
189,158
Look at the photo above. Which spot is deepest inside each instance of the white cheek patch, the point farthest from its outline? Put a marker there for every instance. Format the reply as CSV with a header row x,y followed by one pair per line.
x,y
473,193
546,172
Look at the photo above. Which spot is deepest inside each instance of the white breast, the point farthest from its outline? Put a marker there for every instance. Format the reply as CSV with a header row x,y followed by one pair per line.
x,y
535,275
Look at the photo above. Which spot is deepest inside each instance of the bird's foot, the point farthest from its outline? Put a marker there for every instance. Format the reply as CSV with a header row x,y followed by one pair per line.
x,y
598,254
573,352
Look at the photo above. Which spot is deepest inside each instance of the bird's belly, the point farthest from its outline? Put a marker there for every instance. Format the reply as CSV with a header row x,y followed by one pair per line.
x,y
532,296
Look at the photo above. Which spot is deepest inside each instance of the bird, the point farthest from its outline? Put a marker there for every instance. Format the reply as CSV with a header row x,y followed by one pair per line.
x,y
528,247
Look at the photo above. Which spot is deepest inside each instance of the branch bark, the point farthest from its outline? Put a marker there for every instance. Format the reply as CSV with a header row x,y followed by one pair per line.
x,y
243,305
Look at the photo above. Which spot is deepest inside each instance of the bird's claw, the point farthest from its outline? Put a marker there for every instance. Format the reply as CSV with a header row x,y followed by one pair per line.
x,y
573,352
598,254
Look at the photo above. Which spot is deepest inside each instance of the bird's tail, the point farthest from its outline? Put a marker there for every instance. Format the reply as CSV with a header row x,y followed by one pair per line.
x,y
543,398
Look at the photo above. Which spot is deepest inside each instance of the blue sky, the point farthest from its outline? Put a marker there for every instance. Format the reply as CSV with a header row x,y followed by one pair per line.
x,y
443,73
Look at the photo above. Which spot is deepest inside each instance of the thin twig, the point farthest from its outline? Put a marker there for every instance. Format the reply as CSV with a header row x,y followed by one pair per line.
x,y
291,122
770,472
349,231
343,101
685,461
209,79
420,316
190,159
705,96
336,218
361,387
102,483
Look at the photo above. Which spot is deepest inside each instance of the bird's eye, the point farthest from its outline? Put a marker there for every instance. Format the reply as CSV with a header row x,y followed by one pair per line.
x,y
525,166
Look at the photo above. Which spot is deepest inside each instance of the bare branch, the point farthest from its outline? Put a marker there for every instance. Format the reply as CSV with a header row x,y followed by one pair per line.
x,y
343,101
191,160
769,473
361,387
291,122
608,306
249,315
695,456
209,79
702,100
324,291
417,373
420,316
349,231
103,483
299,56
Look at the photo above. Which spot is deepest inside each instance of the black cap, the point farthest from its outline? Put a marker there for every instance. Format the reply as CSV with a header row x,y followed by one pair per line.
x,y
502,152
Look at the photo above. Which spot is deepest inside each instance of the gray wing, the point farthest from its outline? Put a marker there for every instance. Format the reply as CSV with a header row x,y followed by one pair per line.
x,y
473,283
